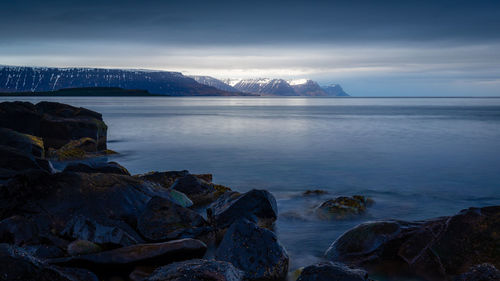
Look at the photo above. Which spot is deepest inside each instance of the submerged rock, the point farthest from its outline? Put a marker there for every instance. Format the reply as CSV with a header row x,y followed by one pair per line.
x,y
106,168
332,271
313,192
197,270
254,250
258,206
164,220
434,249
343,207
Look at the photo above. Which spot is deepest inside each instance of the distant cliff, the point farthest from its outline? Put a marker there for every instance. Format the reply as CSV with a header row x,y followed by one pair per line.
x,y
38,79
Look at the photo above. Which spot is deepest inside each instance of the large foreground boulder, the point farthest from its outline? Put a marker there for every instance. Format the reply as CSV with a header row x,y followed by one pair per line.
x,y
18,264
332,271
56,123
258,206
434,250
28,144
197,270
14,162
254,250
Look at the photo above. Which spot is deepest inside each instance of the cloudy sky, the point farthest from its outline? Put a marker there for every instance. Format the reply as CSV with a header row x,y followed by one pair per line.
x,y
372,48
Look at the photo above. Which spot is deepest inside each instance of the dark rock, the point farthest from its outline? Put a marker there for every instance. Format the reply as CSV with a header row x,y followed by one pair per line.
x,y
197,190
343,207
17,264
164,179
332,271
106,168
14,162
254,250
164,220
197,270
19,231
481,272
56,123
434,249
258,206
205,177
26,143
83,247
140,254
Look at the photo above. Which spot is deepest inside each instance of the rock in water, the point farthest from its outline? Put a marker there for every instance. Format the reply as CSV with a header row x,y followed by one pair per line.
x,y
258,206
197,190
197,270
254,250
332,271
481,272
106,168
434,250
164,220
17,264
343,207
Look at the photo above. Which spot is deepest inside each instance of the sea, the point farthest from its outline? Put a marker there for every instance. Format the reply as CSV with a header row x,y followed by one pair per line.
x,y
417,158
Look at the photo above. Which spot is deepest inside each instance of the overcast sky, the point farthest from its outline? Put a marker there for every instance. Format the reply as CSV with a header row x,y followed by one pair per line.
x,y
370,47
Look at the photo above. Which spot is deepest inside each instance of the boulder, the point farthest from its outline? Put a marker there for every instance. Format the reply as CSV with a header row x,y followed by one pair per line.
x,y
140,254
481,272
254,250
56,123
258,206
197,270
28,144
197,190
343,207
434,250
14,162
332,271
17,264
106,168
164,179
164,220
83,247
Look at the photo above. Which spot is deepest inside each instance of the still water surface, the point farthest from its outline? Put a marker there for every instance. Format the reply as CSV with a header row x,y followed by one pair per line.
x,y
416,157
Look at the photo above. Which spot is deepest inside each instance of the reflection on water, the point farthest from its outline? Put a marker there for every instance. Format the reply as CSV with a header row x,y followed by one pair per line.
x,y
418,158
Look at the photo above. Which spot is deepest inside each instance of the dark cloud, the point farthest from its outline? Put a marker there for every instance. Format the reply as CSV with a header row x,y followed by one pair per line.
x,y
244,22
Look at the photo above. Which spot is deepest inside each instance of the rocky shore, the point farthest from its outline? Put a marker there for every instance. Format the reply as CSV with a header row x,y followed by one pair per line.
x,y
99,222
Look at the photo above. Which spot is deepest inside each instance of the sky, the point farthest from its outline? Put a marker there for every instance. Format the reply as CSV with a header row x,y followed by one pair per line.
x,y
370,47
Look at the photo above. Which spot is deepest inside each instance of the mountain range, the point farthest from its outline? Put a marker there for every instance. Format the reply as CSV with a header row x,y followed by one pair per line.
x,y
17,79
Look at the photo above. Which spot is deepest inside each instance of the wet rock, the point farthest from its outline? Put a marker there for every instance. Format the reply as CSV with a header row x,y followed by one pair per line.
x,y
164,220
332,271
14,162
481,272
254,250
197,270
164,179
17,264
83,247
56,123
135,255
434,249
106,168
314,192
258,206
197,190
343,207
26,143
75,150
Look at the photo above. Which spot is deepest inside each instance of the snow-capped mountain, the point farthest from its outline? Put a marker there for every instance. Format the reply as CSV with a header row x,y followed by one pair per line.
x,y
216,83
265,86
36,79
305,87
335,90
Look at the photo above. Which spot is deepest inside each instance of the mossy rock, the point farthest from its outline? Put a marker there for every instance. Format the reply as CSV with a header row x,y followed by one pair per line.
x,y
313,192
83,247
220,189
343,207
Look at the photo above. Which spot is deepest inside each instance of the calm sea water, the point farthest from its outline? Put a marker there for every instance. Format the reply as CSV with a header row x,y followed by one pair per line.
x,y
416,157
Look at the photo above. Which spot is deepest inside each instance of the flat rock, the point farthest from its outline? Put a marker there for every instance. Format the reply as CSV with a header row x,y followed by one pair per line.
x,y
254,250
197,270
